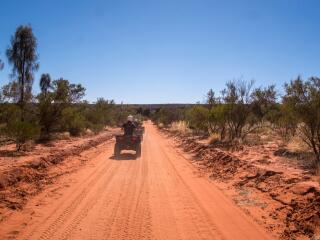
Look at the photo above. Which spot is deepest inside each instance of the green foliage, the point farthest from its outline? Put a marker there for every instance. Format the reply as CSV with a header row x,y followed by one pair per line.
x,y
23,57
45,83
49,114
13,128
166,116
66,93
218,120
57,108
264,101
302,99
146,113
210,98
55,103
72,121
198,118
21,131
100,114
9,112
20,124
238,114
283,120
104,111
238,111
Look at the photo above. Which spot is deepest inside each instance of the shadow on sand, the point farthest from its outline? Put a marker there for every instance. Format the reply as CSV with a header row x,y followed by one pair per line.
x,y
124,156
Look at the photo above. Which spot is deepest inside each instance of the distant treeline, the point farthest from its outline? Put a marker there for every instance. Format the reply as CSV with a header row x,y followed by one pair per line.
x,y
157,106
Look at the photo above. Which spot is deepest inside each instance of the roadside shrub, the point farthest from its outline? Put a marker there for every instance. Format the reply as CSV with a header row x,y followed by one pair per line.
x,y
9,112
12,127
49,115
21,132
198,118
237,103
166,116
218,120
57,107
99,114
263,101
283,121
302,98
72,121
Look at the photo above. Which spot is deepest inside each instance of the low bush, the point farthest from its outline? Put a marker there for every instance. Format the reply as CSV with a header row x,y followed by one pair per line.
x,y
302,98
198,118
21,132
241,111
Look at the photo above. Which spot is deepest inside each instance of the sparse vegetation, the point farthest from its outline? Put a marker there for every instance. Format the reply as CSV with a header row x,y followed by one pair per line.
x,y
59,107
238,111
302,99
241,110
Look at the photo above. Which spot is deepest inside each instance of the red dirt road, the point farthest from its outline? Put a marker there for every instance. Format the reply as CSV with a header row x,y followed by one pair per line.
x,y
158,196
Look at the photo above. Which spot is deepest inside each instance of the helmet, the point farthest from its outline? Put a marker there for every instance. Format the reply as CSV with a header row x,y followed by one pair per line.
x,y
130,118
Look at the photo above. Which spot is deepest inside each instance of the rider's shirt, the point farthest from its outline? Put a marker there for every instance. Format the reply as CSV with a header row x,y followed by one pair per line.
x,y
128,128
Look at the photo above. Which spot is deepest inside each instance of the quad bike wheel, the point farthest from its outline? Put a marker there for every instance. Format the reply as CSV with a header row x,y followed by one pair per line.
x,y
138,150
117,150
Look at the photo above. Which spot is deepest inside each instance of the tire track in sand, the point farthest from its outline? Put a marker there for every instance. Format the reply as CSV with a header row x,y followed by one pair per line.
x,y
60,215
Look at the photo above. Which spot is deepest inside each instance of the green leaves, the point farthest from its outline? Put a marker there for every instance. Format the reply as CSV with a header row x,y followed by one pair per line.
x,y
198,117
302,99
23,57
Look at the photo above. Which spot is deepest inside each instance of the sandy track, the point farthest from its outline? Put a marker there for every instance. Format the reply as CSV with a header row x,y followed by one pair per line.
x,y
158,196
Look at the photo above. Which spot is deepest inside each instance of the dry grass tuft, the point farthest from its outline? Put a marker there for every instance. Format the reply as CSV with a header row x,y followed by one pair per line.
x,y
181,127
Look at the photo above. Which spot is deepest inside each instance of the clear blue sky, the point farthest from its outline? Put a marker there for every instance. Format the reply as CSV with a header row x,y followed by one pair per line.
x,y
147,51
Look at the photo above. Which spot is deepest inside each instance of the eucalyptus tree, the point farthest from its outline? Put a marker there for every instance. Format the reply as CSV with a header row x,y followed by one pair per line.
x,y
45,83
22,55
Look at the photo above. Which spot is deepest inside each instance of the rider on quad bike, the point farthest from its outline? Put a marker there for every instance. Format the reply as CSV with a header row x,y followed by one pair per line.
x,y
129,141
129,127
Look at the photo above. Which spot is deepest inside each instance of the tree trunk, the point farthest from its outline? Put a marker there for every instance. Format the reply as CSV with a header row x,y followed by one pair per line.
x,y
22,89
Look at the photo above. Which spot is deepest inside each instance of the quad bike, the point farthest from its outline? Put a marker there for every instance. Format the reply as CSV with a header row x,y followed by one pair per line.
x,y
127,142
